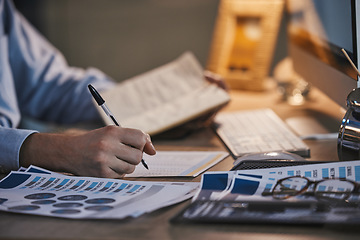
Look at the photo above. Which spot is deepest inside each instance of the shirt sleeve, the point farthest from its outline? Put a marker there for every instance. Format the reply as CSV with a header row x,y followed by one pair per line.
x,y
10,143
47,88
36,82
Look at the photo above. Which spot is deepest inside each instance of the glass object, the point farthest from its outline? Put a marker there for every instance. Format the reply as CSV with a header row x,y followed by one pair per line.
x,y
348,143
291,86
325,189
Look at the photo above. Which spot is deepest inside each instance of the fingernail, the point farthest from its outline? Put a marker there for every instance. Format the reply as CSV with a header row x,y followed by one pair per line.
x,y
148,137
152,146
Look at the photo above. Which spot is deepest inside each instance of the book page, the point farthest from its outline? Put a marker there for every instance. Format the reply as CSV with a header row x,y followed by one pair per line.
x,y
164,97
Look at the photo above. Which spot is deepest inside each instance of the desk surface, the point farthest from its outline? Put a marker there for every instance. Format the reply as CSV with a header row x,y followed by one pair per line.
x,y
156,225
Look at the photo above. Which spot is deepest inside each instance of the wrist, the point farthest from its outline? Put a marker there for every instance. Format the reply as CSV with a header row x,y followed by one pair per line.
x,y
44,150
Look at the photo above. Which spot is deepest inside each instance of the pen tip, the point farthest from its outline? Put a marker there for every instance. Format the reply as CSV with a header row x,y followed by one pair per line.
x,y
144,163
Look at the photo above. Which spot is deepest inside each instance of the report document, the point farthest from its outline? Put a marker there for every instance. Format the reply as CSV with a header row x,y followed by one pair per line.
x,y
165,97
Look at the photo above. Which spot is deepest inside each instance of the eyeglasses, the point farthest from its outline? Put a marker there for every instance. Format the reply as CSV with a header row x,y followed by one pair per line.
x,y
330,189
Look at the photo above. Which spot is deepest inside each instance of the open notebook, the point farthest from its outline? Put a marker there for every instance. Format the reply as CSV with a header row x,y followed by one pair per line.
x,y
165,97
178,163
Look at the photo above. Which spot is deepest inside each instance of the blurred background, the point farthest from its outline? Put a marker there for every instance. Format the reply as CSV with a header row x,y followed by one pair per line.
x,y
126,38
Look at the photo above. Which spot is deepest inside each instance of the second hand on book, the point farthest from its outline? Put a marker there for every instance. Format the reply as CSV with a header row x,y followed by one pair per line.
x,y
101,102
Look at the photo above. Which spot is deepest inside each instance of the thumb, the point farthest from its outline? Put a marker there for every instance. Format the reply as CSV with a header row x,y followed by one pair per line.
x,y
149,147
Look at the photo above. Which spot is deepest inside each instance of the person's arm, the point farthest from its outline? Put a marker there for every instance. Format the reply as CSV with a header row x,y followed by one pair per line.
x,y
46,87
36,81
106,152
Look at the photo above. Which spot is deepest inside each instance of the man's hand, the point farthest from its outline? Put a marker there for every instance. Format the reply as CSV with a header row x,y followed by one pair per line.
x,y
216,79
109,152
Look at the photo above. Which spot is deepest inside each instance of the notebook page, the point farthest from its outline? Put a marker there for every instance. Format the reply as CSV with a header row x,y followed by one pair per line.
x,y
178,163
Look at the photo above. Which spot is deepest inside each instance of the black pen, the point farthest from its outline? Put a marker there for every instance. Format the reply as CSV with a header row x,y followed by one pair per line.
x,y
101,102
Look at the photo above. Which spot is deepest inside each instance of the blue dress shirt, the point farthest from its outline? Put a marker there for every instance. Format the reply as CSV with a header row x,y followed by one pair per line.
x,y
36,82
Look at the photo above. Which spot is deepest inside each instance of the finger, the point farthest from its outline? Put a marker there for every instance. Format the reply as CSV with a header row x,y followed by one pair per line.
x,y
134,138
216,79
128,154
121,167
127,150
102,169
212,77
113,173
149,147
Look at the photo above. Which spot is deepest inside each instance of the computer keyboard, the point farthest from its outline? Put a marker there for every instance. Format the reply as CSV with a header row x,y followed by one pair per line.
x,y
255,131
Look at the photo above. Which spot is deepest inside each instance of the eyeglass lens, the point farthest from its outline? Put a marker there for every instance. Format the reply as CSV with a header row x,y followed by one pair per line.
x,y
334,189
328,189
289,187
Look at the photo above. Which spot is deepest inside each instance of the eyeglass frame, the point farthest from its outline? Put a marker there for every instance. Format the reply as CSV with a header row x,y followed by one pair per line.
x,y
315,183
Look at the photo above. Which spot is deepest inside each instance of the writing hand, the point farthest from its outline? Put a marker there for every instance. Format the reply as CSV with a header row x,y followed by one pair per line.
x,y
109,152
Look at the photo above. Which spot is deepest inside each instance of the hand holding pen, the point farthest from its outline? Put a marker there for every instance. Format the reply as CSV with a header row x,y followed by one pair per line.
x,y
101,102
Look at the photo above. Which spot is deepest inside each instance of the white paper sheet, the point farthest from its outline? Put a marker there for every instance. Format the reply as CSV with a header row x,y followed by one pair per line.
x,y
250,184
178,163
244,196
165,97
52,194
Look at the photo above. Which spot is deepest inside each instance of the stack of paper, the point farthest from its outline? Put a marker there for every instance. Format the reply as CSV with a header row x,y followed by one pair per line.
x,y
251,184
245,196
41,192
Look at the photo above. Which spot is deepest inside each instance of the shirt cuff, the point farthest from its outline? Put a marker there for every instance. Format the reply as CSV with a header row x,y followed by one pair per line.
x,y
11,141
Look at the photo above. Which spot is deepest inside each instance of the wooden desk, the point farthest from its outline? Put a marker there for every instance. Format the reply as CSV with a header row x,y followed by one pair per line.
x,y
156,225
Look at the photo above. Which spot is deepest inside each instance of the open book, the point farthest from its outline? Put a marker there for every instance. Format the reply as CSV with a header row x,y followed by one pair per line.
x,y
165,97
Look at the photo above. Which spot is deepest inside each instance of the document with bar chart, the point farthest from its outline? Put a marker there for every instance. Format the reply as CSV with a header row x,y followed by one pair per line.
x,y
306,194
41,192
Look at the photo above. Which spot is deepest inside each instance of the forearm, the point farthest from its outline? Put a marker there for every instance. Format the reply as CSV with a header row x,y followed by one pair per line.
x,y
46,150
106,152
